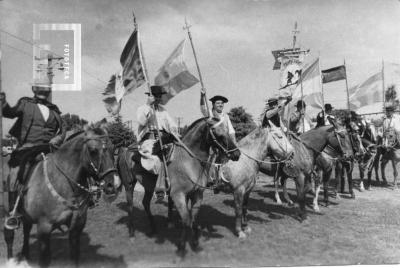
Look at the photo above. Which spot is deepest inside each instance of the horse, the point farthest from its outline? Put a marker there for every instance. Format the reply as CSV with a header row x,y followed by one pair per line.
x,y
308,148
188,168
58,190
241,175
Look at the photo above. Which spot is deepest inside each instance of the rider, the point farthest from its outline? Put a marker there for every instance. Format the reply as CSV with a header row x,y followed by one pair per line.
x,y
273,111
391,122
38,122
322,117
216,111
151,116
298,122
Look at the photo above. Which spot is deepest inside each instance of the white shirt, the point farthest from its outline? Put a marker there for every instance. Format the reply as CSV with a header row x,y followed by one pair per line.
x,y
393,122
221,116
146,120
44,110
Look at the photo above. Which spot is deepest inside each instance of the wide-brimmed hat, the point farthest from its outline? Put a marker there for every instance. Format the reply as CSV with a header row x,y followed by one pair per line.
x,y
219,97
156,90
390,107
328,107
42,82
272,101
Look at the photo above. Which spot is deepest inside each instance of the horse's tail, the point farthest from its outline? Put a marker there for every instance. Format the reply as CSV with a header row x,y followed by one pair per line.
x,y
123,166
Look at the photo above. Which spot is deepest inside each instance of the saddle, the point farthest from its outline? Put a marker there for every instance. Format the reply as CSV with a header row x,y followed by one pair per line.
x,y
26,158
148,154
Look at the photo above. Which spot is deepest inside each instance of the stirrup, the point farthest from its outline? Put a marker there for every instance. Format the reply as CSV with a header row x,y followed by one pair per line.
x,y
12,222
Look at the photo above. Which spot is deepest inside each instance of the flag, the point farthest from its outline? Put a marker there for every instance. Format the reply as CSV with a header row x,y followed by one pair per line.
x,y
310,81
368,92
174,75
334,74
112,105
290,71
132,67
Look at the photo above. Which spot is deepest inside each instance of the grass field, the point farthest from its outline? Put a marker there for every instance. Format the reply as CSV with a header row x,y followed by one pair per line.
x,y
365,230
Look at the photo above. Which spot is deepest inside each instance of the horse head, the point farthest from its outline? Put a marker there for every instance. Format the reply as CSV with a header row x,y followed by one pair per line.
x,y
278,144
98,161
221,140
340,139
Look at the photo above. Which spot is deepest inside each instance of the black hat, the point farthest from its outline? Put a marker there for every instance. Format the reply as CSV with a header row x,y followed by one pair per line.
x,y
328,107
156,90
272,101
300,104
389,107
217,98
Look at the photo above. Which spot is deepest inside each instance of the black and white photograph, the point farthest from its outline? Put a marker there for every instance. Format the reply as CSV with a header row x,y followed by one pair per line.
x,y
199,133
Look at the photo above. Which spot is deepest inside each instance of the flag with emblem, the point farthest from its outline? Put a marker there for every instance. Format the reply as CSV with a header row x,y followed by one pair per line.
x,y
174,75
132,67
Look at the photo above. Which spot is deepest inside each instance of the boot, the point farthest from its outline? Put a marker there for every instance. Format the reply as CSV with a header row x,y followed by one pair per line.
x,y
160,188
12,221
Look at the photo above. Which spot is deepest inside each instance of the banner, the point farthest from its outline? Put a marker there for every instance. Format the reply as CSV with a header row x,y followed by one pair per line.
x,y
174,75
132,67
367,93
290,71
334,74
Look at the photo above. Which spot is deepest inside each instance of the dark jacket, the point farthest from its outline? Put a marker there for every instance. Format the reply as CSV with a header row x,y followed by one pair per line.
x,y
30,126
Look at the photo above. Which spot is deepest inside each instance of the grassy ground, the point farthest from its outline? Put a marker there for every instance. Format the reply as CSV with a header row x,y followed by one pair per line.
x,y
365,230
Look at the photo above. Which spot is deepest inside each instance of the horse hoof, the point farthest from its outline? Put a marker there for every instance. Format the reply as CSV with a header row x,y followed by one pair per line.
x,y
362,189
353,196
132,240
316,208
181,253
290,204
196,248
242,235
247,230
278,202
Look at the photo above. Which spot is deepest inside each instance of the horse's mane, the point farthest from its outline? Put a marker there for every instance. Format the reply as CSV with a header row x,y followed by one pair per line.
x,y
193,125
74,135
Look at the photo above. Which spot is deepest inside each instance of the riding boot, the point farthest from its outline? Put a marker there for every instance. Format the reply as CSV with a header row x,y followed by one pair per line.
x,y
161,187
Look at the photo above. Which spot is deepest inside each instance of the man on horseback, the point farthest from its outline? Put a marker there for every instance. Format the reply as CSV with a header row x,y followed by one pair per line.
x,y
39,123
273,111
216,111
322,117
298,122
155,124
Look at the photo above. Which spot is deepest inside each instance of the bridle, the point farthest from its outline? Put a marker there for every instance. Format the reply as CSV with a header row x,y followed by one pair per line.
x,y
218,144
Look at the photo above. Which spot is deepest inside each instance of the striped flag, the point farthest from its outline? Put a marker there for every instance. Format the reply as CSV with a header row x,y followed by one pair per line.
x,y
174,75
132,67
334,74
368,92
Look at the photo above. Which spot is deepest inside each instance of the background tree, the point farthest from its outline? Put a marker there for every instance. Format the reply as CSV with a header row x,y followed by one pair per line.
x,y
242,121
73,122
391,96
120,134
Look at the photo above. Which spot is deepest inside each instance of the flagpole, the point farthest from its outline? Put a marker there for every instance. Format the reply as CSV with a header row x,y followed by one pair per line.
x,y
383,85
302,96
141,56
3,181
347,86
321,84
203,90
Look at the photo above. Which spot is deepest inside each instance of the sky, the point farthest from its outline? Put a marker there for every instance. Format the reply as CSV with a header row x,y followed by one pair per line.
x,y
233,41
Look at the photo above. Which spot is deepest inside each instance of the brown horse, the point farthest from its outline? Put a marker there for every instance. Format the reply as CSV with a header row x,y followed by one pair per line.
x,y
59,188
188,173
308,148
242,174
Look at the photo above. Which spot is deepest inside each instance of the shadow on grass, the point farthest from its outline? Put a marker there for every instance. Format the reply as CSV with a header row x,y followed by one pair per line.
x,y
60,257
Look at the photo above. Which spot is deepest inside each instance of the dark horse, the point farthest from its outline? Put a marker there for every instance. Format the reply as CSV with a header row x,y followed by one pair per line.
x,y
188,172
308,148
59,188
